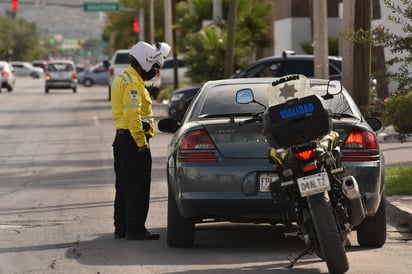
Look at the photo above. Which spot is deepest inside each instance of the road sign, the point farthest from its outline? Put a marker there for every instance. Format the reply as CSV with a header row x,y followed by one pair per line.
x,y
105,7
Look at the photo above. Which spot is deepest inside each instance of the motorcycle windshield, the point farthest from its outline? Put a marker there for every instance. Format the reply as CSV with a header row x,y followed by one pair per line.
x,y
287,88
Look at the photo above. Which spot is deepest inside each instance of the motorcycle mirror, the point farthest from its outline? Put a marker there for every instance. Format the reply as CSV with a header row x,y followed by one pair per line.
x,y
244,96
334,87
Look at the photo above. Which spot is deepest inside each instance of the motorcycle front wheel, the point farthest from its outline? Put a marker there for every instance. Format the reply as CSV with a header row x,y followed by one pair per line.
x,y
329,237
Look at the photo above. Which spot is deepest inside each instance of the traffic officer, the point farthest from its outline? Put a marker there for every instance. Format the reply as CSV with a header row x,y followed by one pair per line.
x,y
134,123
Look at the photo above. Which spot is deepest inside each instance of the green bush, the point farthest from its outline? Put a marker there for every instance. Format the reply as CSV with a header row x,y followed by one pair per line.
x,y
398,112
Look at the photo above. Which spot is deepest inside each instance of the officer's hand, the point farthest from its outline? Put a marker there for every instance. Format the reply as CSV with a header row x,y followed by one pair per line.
x,y
144,148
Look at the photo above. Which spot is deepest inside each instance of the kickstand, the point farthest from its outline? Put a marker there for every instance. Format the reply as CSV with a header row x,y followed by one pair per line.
x,y
293,260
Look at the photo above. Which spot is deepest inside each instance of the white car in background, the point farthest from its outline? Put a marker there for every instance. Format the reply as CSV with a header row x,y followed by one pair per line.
x,y
26,69
8,80
167,72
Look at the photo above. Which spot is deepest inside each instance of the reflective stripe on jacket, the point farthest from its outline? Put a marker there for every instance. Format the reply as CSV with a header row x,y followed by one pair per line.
x,y
131,104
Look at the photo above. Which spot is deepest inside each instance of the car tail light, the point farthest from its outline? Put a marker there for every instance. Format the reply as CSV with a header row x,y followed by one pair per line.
x,y
360,145
197,146
305,155
111,71
74,75
47,76
158,73
5,73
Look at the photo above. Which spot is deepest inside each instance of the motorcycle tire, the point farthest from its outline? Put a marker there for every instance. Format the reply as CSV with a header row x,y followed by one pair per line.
x,y
328,234
180,231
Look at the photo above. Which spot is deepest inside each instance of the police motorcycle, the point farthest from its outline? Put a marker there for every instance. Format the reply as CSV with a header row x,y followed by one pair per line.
x,y
306,156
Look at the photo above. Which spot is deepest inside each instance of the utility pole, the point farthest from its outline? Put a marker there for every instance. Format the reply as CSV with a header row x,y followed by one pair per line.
x,y
356,66
362,54
348,22
320,25
230,39
152,22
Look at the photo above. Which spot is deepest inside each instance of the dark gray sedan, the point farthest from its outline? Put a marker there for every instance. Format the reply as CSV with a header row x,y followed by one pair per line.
x,y
218,169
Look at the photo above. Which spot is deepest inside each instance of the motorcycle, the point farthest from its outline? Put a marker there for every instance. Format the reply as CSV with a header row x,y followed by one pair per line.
x,y
325,205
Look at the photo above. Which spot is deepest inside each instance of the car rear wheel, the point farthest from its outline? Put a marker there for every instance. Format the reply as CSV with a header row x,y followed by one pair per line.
x,y
372,231
46,90
180,231
74,90
88,82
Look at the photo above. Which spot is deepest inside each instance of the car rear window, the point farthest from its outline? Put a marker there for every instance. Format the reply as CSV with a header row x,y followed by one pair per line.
x,y
60,67
122,58
222,100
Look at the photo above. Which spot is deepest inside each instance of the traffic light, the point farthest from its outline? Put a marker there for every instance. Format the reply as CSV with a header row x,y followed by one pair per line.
x,y
14,5
135,25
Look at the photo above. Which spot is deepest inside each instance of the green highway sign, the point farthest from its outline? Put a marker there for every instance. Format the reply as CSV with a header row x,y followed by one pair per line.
x,y
105,7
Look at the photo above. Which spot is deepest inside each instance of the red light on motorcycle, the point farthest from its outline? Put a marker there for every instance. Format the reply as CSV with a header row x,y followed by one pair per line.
x,y
306,154
193,145
309,167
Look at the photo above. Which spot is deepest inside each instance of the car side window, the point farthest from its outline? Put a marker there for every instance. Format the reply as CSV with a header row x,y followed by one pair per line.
x,y
304,67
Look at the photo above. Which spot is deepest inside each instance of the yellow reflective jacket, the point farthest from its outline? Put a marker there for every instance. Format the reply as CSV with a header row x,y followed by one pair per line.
x,y
131,104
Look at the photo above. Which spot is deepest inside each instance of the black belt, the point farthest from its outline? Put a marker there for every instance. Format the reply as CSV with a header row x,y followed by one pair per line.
x,y
122,131
126,131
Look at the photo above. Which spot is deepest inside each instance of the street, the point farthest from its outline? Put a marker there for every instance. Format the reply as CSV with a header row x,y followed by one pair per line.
x,y
57,191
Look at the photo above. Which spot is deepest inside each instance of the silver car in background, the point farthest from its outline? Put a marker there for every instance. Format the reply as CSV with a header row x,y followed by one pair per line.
x,y
61,74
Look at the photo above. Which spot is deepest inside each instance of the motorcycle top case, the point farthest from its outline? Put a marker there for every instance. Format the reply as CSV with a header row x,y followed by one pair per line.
x,y
296,121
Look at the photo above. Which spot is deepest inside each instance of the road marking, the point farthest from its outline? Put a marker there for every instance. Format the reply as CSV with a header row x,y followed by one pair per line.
x,y
95,120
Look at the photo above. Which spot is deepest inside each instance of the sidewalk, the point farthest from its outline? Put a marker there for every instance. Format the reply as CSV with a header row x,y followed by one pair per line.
x,y
399,207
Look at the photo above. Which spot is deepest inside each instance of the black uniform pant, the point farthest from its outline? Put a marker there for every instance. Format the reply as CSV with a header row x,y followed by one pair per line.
x,y
133,177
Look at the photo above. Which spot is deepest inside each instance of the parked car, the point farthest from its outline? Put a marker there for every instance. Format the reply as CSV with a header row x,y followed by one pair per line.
x,y
167,72
180,100
8,79
98,74
215,165
120,61
61,74
289,63
26,69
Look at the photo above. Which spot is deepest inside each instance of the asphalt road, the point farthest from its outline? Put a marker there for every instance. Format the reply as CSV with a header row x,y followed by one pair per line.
x,y
56,202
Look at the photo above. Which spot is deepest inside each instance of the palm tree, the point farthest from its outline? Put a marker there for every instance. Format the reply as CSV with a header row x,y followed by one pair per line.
x,y
204,46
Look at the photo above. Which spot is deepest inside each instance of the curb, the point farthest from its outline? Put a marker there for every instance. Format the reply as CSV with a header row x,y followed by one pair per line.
x,y
398,213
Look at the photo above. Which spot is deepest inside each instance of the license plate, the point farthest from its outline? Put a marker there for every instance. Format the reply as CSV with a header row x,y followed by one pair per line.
x,y
265,178
313,184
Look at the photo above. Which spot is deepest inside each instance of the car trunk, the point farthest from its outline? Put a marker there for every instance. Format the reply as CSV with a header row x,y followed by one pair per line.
x,y
239,141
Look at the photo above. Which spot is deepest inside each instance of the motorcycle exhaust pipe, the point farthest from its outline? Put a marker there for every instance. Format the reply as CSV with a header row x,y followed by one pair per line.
x,y
356,208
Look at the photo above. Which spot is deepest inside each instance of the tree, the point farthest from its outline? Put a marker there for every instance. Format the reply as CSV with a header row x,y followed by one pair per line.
x,y
119,29
400,44
204,47
19,39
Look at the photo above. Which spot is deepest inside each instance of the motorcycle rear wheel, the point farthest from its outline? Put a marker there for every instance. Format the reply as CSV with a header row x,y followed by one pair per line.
x,y
330,241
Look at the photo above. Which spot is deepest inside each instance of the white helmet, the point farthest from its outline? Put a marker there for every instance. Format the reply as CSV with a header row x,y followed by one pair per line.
x,y
148,55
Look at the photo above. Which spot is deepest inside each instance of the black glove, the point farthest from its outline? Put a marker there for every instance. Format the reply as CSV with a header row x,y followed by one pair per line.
x,y
145,126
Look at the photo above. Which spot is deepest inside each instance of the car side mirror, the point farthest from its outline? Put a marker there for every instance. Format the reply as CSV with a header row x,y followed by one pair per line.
x,y
169,125
374,123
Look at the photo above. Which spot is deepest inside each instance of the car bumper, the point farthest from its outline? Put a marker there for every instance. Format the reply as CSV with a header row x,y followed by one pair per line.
x,y
370,178
61,84
228,192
